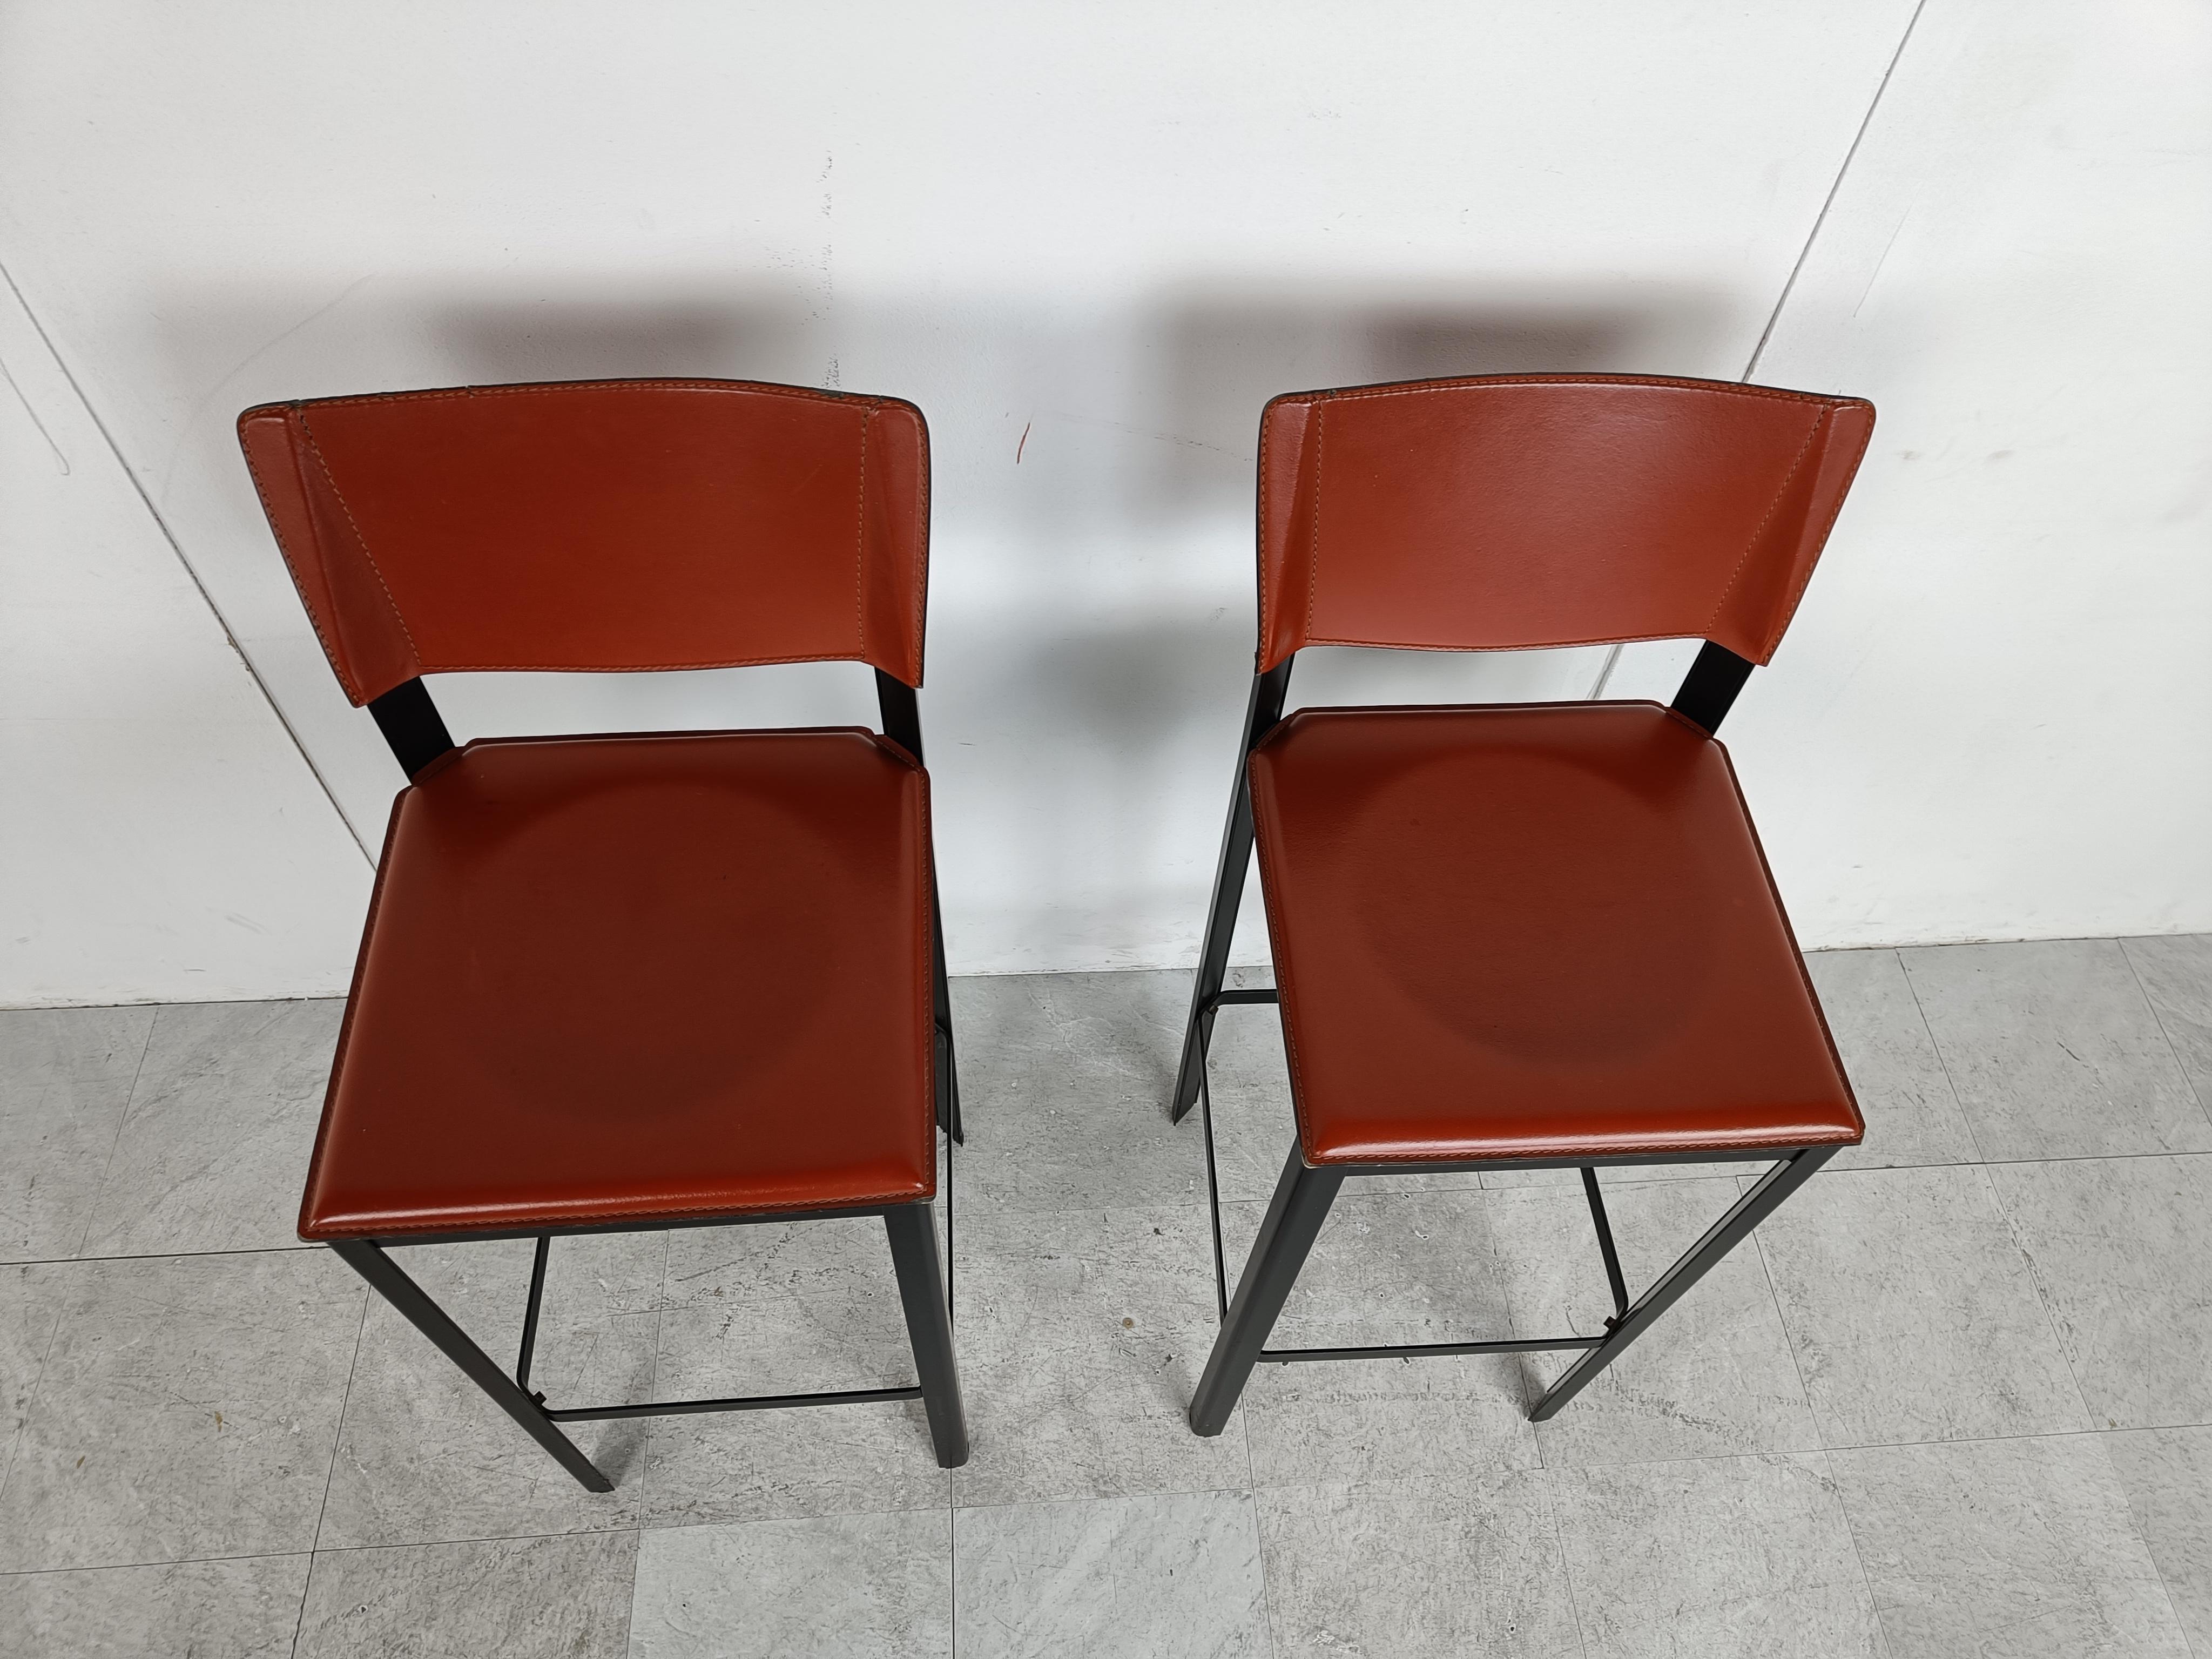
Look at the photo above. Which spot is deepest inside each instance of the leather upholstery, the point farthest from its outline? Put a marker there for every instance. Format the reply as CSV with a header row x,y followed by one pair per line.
x,y
599,526
1531,932
1526,511
638,978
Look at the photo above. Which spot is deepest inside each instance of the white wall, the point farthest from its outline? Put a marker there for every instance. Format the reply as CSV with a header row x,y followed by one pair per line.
x,y
1995,722
1118,230
160,836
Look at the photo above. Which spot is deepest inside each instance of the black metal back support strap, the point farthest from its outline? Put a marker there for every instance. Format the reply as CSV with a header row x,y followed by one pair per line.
x,y
1708,689
412,725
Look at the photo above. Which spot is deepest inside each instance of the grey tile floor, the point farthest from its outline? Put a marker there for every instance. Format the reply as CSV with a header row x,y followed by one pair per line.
x,y
1955,1399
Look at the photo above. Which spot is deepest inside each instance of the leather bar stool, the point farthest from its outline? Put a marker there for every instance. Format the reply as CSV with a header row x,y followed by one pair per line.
x,y
625,982
1530,936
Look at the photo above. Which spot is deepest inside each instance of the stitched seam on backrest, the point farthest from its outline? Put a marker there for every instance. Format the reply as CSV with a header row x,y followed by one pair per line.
x,y
1798,593
860,544
919,598
323,636
1267,618
1820,424
569,388
1313,556
1718,388
398,616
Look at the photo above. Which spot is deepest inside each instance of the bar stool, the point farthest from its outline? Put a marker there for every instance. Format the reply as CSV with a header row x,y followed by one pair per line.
x,y
1527,936
626,983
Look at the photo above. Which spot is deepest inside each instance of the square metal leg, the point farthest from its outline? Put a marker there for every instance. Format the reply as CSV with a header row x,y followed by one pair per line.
x,y
1294,1220
1754,1208
929,1327
913,1238
427,1317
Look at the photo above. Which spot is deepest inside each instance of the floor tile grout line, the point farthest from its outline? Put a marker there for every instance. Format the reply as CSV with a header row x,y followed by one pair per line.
x,y
652,1389
1858,1554
1942,1059
1843,1450
300,1248
437,1543
330,1473
629,1611
1550,1477
122,1122
1782,1319
2150,1554
337,1432
140,1567
30,1398
2159,1019
1819,1438
1252,1494
2043,1299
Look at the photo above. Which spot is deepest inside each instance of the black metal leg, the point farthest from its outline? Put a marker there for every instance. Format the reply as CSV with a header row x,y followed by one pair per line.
x,y
1754,1208
929,1327
1614,1281
427,1317
1301,1204
948,1071
1213,953
1264,710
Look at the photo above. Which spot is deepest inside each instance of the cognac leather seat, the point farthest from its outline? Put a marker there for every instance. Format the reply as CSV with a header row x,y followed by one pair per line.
x,y
1542,932
635,979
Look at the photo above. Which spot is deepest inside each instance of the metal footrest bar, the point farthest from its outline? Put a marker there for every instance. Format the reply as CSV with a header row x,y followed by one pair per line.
x,y
757,1403
1401,1351
1426,1350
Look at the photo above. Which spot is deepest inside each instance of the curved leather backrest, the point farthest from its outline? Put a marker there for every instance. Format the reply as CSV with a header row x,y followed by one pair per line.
x,y
1540,510
599,526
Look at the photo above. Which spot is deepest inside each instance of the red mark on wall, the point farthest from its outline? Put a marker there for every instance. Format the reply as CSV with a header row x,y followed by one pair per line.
x,y
1019,447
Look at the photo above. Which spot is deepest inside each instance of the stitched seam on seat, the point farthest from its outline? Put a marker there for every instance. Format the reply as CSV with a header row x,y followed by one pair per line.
x,y
1608,1150
353,991
398,614
1284,994
323,635
556,1217
1820,425
926,958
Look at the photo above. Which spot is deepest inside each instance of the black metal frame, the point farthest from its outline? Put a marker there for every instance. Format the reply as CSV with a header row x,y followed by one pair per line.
x,y
418,738
1304,1193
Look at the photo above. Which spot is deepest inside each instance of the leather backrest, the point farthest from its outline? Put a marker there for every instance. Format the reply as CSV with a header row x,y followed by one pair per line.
x,y
1541,510
599,526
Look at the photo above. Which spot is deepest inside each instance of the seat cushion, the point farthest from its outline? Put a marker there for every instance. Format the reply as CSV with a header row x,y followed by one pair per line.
x,y
633,978
1531,932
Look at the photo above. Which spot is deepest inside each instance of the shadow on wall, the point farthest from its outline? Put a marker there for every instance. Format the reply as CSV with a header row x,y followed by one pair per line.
x,y
1218,357
1092,611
